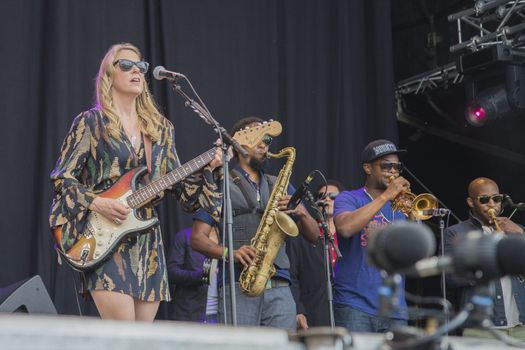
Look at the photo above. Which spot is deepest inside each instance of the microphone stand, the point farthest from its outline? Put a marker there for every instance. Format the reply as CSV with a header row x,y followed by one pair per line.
x,y
446,311
328,239
388,291
439,213
226,140
478,311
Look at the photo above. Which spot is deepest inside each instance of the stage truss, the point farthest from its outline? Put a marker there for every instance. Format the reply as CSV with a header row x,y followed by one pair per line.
x,y
497,22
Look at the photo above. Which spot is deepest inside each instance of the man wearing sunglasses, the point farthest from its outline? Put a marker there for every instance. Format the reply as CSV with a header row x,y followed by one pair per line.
x,y
307,267
509,301
250,189
357,214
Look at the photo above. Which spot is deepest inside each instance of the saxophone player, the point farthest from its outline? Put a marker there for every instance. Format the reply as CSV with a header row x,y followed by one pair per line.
x,y
357,214
250,189
485,205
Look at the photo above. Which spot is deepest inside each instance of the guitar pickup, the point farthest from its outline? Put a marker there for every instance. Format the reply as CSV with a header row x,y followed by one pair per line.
x,y
84,253
89,232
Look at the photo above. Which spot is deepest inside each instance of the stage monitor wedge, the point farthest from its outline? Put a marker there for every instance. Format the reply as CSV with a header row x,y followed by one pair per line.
x,y
27,296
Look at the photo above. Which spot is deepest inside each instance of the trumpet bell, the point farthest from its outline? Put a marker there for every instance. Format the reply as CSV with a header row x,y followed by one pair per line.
x,y
422,204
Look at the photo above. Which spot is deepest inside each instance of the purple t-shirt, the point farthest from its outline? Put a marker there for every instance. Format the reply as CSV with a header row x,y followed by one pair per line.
x,y
356,282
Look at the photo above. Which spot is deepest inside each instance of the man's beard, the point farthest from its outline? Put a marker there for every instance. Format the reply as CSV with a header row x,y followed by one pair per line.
x,y
257,164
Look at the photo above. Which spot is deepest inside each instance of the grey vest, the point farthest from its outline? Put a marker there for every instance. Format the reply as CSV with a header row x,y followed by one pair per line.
x,y
247,212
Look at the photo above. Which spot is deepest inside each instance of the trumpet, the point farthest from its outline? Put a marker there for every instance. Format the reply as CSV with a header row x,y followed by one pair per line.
x,y
420,206
492,213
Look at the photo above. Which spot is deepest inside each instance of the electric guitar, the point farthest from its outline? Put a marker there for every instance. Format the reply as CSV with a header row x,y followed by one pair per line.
x,y
102,236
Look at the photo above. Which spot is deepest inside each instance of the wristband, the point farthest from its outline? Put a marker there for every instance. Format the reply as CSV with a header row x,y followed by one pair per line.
x,y
225,254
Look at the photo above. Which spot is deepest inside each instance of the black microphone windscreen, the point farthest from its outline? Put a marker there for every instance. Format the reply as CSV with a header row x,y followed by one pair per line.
x,y
511,255
400,245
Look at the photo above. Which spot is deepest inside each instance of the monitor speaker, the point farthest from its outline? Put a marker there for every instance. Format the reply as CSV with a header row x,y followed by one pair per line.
x,y
29,296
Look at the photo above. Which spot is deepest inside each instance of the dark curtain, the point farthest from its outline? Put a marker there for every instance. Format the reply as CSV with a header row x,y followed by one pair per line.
x,y
323,68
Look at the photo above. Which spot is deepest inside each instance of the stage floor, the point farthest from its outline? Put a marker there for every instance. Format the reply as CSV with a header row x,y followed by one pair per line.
x,y
22,331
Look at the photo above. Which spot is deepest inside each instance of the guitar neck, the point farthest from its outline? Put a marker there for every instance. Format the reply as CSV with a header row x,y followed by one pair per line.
x,y
151,190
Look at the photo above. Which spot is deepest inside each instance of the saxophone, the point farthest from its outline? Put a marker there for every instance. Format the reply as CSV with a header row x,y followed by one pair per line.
x,y
273,229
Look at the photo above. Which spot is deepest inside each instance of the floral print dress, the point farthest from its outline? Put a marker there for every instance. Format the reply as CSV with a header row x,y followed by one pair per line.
x,y
91,162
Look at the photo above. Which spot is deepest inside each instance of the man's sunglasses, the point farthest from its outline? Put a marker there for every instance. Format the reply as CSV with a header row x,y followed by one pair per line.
x,y
323,196
386,166
126,65
267,139
496,198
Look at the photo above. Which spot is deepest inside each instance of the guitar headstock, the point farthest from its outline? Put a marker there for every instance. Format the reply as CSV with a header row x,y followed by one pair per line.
x,y
253,135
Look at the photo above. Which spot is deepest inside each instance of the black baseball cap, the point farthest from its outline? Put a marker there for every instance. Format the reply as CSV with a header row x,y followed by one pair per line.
x,y
379,148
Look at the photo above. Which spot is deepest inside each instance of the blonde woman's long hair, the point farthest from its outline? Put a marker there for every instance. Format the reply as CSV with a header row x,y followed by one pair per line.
x,y
148,114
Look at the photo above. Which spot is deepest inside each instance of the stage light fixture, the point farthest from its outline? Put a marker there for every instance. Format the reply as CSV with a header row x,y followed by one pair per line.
x,y
476,115
489,105
499,95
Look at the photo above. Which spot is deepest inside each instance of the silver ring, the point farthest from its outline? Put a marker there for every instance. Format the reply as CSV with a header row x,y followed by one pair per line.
x,y
117,221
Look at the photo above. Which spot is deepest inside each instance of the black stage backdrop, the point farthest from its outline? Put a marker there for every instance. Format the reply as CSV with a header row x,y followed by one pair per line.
x,y
323,68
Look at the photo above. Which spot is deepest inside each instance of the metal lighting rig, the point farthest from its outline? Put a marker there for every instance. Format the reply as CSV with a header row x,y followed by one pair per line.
x,y
499,24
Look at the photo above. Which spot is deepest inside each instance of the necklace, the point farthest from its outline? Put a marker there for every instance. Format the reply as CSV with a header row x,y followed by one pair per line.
x,y
131,132
254,184
381,210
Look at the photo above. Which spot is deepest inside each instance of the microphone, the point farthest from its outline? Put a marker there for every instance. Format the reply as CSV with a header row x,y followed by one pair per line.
x,y
435,212
160,73
400,245
519,206
508,201
300,192
476,256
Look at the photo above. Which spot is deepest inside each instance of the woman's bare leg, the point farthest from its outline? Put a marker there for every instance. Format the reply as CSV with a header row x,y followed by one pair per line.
x,y
145,310
114,305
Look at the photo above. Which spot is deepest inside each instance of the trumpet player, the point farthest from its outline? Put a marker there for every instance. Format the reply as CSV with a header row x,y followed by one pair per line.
x,y
485,203
357,214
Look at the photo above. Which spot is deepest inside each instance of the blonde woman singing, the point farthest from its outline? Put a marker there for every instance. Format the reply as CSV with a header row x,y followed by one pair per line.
x,y
103,144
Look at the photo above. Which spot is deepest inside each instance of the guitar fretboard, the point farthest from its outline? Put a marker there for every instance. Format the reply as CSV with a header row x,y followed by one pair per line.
x,y
148,192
